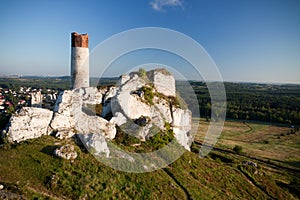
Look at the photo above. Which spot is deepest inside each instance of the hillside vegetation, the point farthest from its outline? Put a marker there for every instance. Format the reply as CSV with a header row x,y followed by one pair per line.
x,y
29,170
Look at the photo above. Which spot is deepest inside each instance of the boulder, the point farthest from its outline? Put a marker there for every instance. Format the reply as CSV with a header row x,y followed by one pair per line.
x,y
29,123
66,152
94,124
95,143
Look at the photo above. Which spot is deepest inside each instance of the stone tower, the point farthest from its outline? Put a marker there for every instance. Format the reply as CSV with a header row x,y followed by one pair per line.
x,y
80,76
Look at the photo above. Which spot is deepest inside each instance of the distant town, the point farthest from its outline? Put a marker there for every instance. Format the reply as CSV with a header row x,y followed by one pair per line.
x,y
12,100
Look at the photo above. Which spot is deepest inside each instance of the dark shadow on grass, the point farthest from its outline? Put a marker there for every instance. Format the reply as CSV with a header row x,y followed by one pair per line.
x,y
49,149
293,163
222,158
292,187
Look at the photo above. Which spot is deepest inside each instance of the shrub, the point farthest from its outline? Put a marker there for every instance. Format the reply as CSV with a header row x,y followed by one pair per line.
x,y
238,149
148,94
142,72
266,141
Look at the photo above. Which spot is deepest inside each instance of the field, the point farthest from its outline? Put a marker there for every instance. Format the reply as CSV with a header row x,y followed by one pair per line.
x,y
272,142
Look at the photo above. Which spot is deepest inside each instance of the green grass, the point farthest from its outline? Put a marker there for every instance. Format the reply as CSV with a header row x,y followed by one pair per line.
x,y
30,169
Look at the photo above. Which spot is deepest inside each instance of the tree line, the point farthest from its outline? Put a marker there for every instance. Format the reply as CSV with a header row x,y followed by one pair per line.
x,y
259,102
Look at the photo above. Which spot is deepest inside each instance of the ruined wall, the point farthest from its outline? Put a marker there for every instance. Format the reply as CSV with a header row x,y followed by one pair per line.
x,y
79,60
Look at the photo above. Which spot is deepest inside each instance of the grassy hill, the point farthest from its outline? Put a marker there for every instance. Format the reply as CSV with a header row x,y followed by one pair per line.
x,y
30,171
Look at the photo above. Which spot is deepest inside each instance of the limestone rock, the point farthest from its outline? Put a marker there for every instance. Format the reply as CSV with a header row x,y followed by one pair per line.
x,y
130,105
123,79
127,103
118,119
95,143
182,124
163,106
62,122
182,118
29,123
66,152
111,92
69,117
123,155
163,82
91,95
95,124
36,99
107,109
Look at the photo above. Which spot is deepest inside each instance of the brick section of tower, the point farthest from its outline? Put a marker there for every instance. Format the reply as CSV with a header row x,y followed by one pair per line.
x,y
80,40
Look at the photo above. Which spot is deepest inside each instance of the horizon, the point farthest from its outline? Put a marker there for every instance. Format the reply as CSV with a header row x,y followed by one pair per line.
x,y
116,77
250,41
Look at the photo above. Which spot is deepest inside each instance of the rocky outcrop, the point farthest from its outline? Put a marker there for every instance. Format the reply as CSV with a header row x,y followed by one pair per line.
x,y
140,104
29,123
139,97
69,116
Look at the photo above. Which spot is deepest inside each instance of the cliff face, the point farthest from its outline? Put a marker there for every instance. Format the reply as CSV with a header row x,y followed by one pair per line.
x,y
140,105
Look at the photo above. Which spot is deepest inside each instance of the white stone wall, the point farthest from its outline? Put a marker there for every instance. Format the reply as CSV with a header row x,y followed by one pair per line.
x,y
80,75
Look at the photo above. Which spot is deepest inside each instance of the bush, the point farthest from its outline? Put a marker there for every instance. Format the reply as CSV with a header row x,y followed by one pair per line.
x,y
266,141
142,72
238,149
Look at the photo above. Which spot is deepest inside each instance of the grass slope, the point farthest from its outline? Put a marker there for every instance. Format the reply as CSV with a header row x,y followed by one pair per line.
x,y
30,170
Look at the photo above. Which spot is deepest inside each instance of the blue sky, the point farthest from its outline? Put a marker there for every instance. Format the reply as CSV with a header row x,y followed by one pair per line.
x,y
249,40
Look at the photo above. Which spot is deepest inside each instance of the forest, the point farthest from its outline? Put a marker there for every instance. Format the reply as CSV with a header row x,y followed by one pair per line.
x,y
274,103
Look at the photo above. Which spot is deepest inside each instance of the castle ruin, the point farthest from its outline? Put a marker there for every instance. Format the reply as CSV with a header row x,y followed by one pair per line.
x,y
80,76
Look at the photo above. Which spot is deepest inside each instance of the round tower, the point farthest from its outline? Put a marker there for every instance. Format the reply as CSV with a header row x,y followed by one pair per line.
x,y
80,76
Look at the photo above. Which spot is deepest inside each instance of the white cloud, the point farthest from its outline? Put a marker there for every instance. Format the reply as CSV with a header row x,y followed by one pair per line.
x,y
159,5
